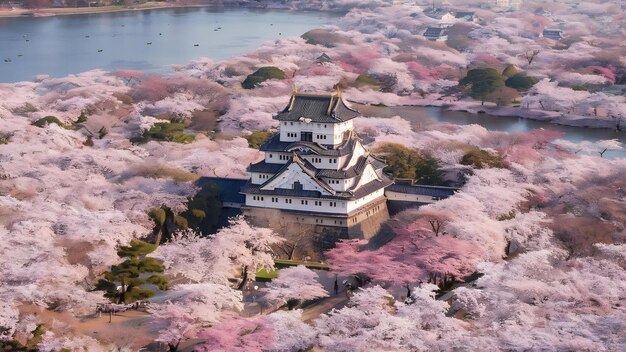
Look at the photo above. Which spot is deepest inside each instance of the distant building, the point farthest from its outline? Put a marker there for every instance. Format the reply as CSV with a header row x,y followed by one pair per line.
x,y
323,59
436,33
554,34
317,168
506,4
465,15
440,14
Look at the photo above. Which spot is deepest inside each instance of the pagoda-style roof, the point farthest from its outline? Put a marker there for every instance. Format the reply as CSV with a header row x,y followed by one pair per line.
x,y
353,171
361,192
274,144
317,108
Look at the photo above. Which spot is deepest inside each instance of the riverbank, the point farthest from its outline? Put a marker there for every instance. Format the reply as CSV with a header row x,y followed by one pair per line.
x,y
90,10
475,108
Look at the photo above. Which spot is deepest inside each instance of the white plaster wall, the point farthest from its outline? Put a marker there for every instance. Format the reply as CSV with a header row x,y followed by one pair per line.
x,y
323,162
296,204
274,157
332,131
342,185
259,178
408,197
292,174
357,203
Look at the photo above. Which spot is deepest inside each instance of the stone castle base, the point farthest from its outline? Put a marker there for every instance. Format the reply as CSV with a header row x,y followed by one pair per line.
x,y
313,232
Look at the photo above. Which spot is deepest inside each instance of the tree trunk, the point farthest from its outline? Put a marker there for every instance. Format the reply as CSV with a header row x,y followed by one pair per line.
x,y
173,347
244,278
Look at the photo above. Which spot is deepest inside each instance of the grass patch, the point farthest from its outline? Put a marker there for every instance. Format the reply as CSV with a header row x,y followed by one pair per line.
x,y
44,121
481,159
366,80
256,139
166,131
5,138
282,263
264,275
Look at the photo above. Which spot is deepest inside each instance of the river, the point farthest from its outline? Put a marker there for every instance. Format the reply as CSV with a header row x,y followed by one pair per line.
x,y
62,45
424,116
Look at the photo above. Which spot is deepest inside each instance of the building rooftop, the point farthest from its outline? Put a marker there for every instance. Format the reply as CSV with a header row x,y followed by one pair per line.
x,y
362,191
435,32
464,14
432,191
274,144
317,108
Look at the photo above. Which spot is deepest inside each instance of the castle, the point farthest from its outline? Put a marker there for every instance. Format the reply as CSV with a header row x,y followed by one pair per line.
x,y
317,170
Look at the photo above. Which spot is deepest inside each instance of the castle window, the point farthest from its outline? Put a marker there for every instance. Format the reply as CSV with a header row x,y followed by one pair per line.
x,y
262,198
271,156
304,202
274,200
288,201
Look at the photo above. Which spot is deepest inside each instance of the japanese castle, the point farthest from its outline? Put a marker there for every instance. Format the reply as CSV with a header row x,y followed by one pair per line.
x,y
317,169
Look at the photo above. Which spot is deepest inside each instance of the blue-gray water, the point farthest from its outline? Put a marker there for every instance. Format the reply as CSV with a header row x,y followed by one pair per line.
x,y
423,116
58,45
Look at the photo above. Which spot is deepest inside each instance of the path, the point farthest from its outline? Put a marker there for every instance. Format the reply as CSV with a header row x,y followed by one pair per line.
x,y
323,306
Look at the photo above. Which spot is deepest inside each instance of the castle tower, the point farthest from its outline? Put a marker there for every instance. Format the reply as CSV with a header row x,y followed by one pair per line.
x,y
317,169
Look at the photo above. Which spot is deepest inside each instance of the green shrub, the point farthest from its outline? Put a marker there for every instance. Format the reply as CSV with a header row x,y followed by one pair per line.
x,y
82,118
480,159
5,138
136,248
510,71
261,75
366,80
403,162
204,209
521,82
181,222
159,281
158,215
137,294
507,216
42,122
258,138
166,131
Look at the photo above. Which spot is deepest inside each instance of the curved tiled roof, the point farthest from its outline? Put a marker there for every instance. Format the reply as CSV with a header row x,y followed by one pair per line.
x,y
317,108
274,144
364,190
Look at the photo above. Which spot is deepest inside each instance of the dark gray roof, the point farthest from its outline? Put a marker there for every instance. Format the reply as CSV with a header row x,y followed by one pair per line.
x,y
324,58
319,108
264,167
229,188
553,33
434,32
307,167
432,191
464,14
364,190
275,145
355,170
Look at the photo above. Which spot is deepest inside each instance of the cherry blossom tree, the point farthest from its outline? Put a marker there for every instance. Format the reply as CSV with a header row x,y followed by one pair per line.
x,y
295,284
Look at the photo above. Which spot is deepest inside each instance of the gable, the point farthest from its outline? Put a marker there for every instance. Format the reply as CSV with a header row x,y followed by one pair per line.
x,y
291,174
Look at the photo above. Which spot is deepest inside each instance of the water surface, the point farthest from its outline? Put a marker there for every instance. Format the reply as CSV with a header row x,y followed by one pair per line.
x,y
61,45
424,116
